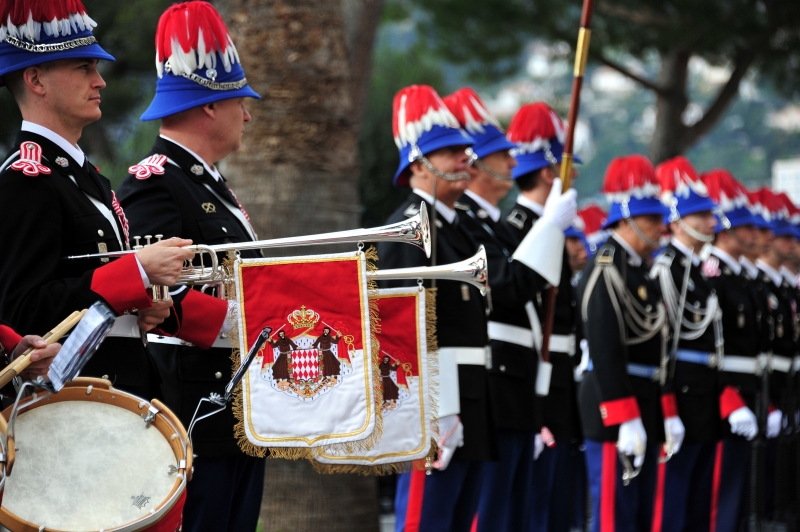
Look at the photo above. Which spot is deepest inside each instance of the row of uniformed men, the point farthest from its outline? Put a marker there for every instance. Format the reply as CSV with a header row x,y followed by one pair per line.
x,y
54,203
664,420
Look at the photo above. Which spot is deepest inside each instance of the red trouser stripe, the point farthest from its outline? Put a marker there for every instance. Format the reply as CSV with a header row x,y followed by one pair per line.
x,y
658,503
608,487
416,492
715,488
474,524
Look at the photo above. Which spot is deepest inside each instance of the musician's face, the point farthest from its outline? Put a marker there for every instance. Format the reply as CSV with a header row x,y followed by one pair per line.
x,y
745,237
71,89
230,118
784,247
703,222
764,239
652,226
501,163
577,254
450,160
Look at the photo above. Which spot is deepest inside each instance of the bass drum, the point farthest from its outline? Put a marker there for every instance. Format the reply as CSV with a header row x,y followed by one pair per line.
x,y
92,458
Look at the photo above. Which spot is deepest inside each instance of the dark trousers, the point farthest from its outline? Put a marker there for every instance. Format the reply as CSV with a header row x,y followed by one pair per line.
x,y
615,507
224,494
559,489
731,483
687,489
444,501
505,493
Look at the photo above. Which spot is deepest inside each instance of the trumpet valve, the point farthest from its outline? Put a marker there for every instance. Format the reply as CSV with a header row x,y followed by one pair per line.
x,y
147,239
137,246
159,237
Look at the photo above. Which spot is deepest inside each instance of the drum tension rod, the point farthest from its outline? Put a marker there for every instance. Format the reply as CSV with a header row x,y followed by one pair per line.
x,y
150,416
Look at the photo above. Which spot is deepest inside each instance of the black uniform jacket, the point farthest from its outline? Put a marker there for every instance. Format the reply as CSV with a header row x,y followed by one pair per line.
x,y
560,406
696,386
743,324
178,203
512,375
461,322
783,308
609,380
46,218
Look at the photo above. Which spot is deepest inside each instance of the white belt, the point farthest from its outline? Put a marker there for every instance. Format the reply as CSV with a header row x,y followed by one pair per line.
x,y
511,334
562,343
157,339
472,356
125,327
739,364
783,364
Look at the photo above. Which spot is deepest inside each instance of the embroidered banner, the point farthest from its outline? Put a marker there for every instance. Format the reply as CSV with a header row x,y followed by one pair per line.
x,y
407,352
314,383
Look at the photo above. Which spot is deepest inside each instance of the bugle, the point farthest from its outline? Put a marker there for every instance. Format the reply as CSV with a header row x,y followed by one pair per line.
x,y
473,270
415,230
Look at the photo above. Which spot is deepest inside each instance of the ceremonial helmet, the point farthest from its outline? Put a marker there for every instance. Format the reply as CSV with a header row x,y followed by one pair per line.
x,y
754,204
632,189
731,199
793,213
421,124
588,226
196,60
775,212
475,119
539,134
35,32
682,191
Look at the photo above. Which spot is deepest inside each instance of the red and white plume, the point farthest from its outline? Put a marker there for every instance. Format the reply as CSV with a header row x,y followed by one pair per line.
x,y
417,109
190,36
772,208
791,208
593,219
26,20
678,177
754,201
533,126
628,177
725,190
467,107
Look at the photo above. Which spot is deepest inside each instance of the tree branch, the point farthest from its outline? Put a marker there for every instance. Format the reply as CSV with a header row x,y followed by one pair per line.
x,y
646,83
722,101
640,15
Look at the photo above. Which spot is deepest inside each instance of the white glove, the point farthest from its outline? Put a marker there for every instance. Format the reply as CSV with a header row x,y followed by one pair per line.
x,y
451,436
774,423
538,446
743,422
675,432
632,440
561,209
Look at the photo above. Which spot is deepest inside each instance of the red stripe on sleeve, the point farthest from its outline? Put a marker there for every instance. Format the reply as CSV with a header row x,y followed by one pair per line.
x,y
730,400
608,486
416,493
120,284
202,318
669,405
619,411
8,338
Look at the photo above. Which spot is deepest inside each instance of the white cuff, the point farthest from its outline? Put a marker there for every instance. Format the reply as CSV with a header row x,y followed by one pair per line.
x,y
542,250
145,279
227,324
449,402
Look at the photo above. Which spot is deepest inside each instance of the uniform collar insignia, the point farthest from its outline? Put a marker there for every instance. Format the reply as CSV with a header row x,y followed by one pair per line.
x,y
197,169
63,162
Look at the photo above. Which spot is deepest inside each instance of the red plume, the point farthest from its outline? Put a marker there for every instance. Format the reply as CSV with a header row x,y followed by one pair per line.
x,y
534,125
724,189
469,110
630,176
593,218
416,110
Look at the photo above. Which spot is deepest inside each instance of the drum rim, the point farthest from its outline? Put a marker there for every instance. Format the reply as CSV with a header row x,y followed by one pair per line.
x,y
95,390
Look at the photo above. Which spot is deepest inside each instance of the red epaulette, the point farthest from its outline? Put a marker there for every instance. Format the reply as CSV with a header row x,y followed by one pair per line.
x,y
30,160
152,165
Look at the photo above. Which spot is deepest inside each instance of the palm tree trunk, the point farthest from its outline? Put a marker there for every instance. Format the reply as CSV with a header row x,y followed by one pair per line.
x,y
297,174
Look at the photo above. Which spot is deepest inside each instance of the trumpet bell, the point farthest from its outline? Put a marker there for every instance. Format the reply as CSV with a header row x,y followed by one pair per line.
x,y
474,270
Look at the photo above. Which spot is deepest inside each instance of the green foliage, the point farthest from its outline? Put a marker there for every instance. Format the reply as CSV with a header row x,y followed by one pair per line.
x,y
486,34
393,69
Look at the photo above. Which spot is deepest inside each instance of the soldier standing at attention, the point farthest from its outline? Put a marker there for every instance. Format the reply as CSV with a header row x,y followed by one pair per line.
x,y
539,132
177,190
745,330
505,494
55,203
625,414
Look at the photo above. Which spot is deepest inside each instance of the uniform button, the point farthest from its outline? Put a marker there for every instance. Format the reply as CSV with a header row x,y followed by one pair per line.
x,y
502,367
218,374
224,230
685,389
100,232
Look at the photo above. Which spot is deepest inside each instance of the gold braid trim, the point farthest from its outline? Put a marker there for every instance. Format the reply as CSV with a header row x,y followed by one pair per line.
x,y
233,338
358,446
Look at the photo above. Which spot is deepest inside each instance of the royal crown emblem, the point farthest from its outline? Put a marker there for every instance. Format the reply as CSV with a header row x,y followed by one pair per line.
x,y
303,318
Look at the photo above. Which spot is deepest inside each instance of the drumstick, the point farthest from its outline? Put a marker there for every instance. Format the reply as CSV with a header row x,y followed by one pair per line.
x,y
23,361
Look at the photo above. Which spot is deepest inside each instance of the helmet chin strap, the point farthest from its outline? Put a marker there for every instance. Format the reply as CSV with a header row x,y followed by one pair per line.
x,y
416,155
477,163
675,216
626,214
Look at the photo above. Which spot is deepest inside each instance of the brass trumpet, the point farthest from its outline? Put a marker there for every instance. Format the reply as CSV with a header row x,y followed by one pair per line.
x,y
415,230
473,270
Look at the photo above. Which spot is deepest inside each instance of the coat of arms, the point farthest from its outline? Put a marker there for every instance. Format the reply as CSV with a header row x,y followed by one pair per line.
x,y
306,357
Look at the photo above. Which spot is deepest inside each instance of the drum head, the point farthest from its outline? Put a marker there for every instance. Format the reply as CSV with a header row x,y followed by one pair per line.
x,y
87,466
